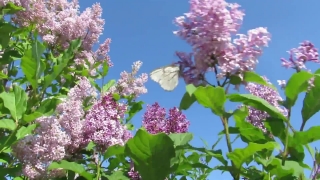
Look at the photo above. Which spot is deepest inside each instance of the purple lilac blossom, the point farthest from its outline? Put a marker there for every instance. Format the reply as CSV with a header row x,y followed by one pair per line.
x,y
59,22
70,113
129,84
103,125
37,151
208,27
155,120
57,137
299,56
256,117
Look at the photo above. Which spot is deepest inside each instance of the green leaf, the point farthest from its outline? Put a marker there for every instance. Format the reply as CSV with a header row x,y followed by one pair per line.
x,y
31,117
151,154
72,166
181,138
276,127
7,124
311,103
250,76
296,84
274,166
217,154
3,76
308,136
134,109
116,97
187,101
118,175
31,63
11,8
107,86
114,151
48,106
295,149
257,103
15,102
105,68
23,131
62,62
235,79
190,88
6,29
211,97
239,156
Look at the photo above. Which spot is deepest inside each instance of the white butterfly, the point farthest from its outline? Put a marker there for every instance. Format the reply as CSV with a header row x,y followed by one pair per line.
x,y
167,76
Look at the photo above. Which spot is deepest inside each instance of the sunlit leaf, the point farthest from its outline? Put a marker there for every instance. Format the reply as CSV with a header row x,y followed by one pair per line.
x,y
15,102
151,154
211,97
296,84
72,166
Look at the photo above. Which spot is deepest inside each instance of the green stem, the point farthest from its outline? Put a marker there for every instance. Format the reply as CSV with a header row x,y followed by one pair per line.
x,y
226,128
98,168
235,175
285,151
302,125
9,138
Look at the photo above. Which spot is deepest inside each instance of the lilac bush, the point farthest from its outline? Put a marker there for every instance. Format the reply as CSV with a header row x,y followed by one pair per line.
x,y
56,122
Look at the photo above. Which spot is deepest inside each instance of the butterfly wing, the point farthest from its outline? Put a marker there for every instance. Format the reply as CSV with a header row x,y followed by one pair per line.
x,y
167,77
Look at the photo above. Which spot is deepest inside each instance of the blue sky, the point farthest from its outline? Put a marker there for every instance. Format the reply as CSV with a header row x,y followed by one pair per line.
x,y
142,30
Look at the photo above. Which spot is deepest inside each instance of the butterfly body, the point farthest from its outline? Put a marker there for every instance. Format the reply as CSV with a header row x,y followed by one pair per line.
x,y
167,76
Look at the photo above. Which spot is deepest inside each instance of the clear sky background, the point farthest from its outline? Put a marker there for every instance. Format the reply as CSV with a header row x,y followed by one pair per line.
x,y
142,30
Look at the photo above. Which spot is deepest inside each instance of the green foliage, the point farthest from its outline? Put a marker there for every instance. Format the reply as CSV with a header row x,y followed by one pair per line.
x,y
311,103
296,84
151,154
211,97
42,74
257,103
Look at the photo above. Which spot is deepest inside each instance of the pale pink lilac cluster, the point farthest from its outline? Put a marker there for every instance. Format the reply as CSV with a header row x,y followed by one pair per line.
x,y
59,22
155,120
208,27
102,124
70,113
130,83
37,151
299,56
256,117
58,136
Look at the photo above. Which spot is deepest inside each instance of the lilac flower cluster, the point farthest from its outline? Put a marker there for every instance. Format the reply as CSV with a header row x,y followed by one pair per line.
x,y
65,133
103,125
255,116
306,52
38,150
70,113
59,22
208,28
129,84
155,120
57,137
